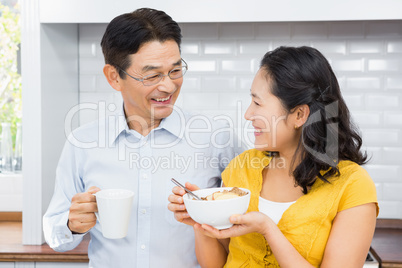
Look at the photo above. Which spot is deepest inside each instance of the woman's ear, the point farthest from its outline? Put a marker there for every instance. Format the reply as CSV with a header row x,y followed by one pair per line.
x,y
112,76
301,114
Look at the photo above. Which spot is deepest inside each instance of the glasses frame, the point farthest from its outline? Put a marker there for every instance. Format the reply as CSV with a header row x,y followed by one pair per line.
x,y
161,76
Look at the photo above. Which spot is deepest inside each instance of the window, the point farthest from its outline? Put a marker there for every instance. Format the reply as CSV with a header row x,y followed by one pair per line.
x,y
10,88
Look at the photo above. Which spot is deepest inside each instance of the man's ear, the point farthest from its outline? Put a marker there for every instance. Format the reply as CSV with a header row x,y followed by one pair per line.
x,y
301,115
112,76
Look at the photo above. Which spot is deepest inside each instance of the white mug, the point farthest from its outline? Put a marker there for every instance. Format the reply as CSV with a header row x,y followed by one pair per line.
x,y
114,209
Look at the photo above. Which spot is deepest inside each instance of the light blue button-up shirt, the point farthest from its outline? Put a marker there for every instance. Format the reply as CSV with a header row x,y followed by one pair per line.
x,y
107,154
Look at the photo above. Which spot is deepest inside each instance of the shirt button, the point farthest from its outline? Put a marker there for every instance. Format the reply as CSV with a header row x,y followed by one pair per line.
x,y
269,252
145,176
143,211
66,236
142,247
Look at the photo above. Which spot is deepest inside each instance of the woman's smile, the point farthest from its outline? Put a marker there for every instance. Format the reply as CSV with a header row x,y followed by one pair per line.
x,y
257,131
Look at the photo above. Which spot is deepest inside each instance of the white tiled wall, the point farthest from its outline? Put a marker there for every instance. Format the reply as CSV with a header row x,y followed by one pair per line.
x,y
223,58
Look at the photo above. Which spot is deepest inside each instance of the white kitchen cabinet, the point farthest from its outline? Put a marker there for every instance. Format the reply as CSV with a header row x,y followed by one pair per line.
x,y
43,265
60,265
7,265
102,11
24,265
50,84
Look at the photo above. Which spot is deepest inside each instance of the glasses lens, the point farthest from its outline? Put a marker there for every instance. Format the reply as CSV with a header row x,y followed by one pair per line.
x,y
152,79
177,72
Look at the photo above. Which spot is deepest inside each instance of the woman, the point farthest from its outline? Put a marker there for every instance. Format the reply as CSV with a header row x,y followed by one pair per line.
x,y
312,204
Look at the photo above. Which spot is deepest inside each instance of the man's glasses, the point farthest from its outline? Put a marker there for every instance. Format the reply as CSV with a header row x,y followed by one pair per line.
x,y
153,79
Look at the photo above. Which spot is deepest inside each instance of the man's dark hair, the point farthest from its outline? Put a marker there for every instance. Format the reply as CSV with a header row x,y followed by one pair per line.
x,y
126,33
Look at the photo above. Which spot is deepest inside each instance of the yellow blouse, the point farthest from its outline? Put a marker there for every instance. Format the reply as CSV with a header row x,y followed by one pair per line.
x,y
306,223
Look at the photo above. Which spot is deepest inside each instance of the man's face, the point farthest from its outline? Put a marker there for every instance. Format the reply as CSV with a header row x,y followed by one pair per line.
x,y
152,103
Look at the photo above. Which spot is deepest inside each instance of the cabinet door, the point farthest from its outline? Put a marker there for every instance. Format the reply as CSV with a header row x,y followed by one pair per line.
x,y
73,11
22,264
60,265
7,265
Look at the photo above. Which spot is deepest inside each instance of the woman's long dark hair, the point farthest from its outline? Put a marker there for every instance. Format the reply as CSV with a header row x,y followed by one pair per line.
x,y
302,75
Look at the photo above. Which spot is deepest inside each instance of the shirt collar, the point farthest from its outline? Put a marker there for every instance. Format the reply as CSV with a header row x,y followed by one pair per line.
x,y
174,123
121,122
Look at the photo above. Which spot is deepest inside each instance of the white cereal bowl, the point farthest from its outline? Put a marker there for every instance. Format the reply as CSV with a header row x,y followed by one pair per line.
x,y
217,212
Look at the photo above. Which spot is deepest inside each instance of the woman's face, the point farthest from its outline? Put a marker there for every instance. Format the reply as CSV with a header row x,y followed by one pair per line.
x,y
274,127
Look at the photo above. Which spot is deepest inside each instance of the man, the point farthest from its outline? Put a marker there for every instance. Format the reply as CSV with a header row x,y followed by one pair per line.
x,y
148,142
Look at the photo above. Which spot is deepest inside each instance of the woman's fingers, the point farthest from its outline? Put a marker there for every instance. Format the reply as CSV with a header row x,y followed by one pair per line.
x,y
178,191
174,207
192,187
177,199
237,219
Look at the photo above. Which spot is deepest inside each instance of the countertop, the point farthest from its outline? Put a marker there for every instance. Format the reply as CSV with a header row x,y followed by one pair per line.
x,y
386,246
11,248
387,243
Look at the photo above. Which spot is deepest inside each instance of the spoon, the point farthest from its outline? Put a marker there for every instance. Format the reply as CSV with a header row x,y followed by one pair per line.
x,y
185,189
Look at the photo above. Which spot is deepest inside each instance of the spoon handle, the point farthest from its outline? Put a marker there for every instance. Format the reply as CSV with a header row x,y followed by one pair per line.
x,y
187,190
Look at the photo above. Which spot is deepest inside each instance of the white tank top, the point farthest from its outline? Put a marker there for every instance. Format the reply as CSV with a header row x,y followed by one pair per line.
x,y
274,210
